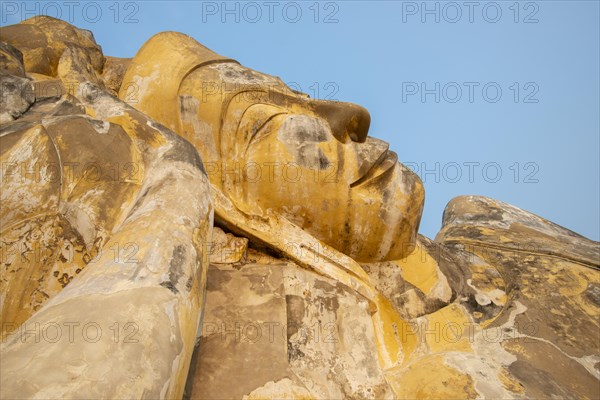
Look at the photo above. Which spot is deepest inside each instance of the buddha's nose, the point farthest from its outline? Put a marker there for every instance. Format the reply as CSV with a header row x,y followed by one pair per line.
x,y
348,121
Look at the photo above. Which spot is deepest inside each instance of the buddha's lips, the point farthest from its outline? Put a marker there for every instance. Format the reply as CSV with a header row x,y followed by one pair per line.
x,y
381,166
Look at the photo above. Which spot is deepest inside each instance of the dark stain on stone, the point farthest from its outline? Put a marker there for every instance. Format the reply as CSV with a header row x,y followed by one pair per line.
x,y
462,231
239,74
347,228
431,305
323,161
65,279
490,214
295,314
593,293
175,268
342,290
489,311
324,286
183,151
294,352
186,106
170,286
304,130
259,280
538,383
147,192
216,279
67,108
18,126
329,303
97,125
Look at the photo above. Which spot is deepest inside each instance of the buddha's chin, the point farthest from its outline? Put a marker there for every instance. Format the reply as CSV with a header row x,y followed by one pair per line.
x,y
385,227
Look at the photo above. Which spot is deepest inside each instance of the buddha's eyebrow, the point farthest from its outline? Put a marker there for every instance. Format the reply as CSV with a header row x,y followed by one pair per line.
x,y
260,119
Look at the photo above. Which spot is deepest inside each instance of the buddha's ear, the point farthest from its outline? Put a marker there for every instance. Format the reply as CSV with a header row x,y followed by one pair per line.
x,y
156,72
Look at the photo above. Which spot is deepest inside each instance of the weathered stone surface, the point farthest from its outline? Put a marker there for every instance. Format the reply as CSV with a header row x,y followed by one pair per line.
x,y
42,40
318,285
278,325
226,248
16,96
476,219
31,41
549,324
103,270
417,285
11,60
112,75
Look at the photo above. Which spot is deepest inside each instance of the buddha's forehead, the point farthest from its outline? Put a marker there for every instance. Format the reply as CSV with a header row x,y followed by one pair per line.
x,y
233,73
227,84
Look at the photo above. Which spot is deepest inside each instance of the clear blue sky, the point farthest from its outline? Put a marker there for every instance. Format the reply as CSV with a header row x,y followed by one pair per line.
x,y
541,133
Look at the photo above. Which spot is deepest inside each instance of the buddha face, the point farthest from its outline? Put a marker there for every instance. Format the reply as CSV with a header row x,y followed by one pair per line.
x,y
268,147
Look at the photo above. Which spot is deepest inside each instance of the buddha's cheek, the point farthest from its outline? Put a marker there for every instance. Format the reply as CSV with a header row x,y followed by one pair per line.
x,y
314,198
271,177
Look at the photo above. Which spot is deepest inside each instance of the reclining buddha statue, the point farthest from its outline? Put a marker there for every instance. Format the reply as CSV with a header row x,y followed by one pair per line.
x,y
177,225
